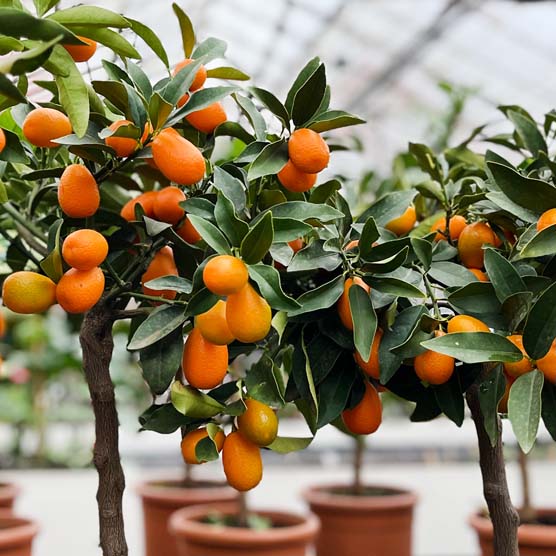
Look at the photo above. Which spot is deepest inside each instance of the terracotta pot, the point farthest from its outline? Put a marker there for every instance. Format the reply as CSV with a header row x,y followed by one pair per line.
x,y
162,498
378,525
16,534
291,535
533,540
8,494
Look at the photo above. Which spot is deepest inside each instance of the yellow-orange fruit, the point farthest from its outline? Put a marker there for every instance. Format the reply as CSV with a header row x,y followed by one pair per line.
x,y
78,192
372,366
124,146
524,365
200,76
209,118
188,232
163,264
308,151
296,244
42,125
471,241
404,223
224,275
85,249
433,367
546,219
457,224
547,364
503,403
248,314
213,325
294,180
366,416
204,364
166,205
242,462
258,423
3,325
81,52
191,439
28,292
344,310
479,274
79,290
465,323
2,140
177,158
146,200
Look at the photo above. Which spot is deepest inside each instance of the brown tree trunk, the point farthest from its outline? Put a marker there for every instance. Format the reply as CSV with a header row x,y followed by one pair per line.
x,y
503,514
358,453
97,344
527,512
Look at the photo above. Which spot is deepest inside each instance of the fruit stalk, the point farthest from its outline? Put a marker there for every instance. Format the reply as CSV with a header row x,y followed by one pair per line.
x,y
97,344
503,514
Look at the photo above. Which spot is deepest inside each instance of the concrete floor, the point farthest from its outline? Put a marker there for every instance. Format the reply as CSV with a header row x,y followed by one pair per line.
x,y
63,502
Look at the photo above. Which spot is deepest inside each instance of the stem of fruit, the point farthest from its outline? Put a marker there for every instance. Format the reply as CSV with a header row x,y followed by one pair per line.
x,y
37,233
97,345
430,291
243,512
358,454
527,511
503,514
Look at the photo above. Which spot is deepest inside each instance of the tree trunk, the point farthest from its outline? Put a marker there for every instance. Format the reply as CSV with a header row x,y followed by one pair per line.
x,y
527,511
503,514
97,344
358,453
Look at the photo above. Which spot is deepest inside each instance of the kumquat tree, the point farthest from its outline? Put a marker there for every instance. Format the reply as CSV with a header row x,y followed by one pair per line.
x,y
125,198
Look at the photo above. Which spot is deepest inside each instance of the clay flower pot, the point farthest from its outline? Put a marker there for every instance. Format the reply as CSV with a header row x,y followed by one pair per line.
x,y
8,493
290,535
16,534
162,498
533,539
374,525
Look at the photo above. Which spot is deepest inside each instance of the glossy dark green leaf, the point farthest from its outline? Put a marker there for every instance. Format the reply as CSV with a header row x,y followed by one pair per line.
x,y
199,100
542,244
516,307
288,229
52,264
151,39
320,298
233,129
261,383
161,322
13,151
364,320
173,283
548,411
423,251
211,234
205,450
300,210
18,23
273,104
475,298
114,41
528,132
333,119
210,49
369,235
10,91
540,330
90,16
231,187
163,419
268,280
451,274
449,398
253,114
389,207
503,276
314,256
257,241
491,391
524,408
228,221
395,286
334,393
269,161
505,203
300,80
309,97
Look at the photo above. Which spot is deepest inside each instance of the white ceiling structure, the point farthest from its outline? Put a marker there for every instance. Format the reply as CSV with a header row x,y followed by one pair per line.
x,y
384,57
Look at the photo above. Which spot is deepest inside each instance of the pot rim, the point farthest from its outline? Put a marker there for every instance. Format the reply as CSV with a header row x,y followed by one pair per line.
x,y
161,494
185,524
9,491
528,534
319,496
18,529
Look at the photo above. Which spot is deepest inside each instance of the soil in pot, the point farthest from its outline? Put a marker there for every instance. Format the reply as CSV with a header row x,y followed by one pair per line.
x,y
535,537
162,498
198,535
16,534
376,522
8,494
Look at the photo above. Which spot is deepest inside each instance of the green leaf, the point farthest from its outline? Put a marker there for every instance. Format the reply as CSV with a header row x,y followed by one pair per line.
x,y
491,391
173,283
309,372
324,192
450,399
540,329
199,100
516,307
161,322
475,347
233,129
211,234
288,229
205,449
503,276
226,72
13,151
253,115
269,161
257,242
89,16
300,80
286,445
369,235
52,265
322,297
501,200
231,187
268,280
475,298
333,119
548,411
388,207
542,244
273,104
9,90
43,6
140,79
423,251
209,50
28,60
309,96
163,419
161,361
364,320
530,193
114,41
394,286
334,392
314,256
427,161
18,23
300,210
528,132
451,274
151,39
261,383
192,403
524,408
187,31
228,221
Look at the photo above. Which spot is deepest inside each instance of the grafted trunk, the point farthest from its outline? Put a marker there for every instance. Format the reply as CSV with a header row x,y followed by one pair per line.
x,y
97,344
